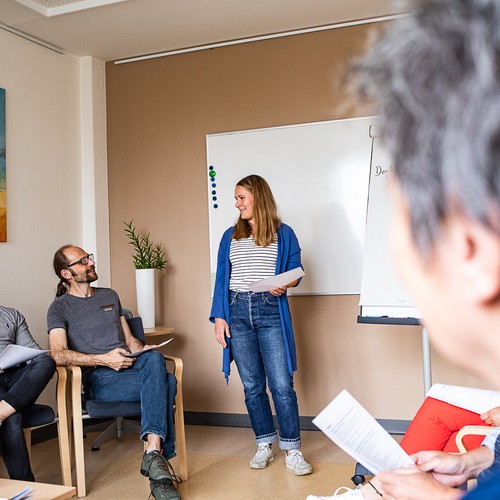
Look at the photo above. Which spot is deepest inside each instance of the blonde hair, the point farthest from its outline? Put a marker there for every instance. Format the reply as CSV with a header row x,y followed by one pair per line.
x,y
265,212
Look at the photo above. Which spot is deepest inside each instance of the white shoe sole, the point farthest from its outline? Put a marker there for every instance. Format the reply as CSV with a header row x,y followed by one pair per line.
x,y
299,472
257,466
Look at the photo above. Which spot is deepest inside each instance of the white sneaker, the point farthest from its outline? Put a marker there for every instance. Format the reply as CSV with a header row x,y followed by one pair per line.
x,y
349,493
263,456
295,461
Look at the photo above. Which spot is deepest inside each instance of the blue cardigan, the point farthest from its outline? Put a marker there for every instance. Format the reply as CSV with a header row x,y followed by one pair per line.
x,y
288,258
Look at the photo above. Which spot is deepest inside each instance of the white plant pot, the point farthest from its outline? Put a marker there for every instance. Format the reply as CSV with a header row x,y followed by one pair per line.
x,y
145,292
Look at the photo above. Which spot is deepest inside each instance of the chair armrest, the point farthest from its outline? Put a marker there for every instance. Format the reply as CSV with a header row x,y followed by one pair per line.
x,y
180,435
76,373
467,430
178,365
62,380
64,423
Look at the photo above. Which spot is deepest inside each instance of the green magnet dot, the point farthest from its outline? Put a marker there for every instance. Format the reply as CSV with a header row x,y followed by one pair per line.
x,y
212,173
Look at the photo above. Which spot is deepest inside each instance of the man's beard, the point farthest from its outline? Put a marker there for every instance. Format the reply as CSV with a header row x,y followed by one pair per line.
x,y
90,276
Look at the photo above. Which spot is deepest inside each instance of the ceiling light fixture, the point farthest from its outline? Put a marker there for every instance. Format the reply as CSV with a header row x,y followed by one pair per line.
x,y
49,8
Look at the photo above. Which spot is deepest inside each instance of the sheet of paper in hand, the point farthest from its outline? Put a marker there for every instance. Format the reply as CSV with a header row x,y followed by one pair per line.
x,y
277,280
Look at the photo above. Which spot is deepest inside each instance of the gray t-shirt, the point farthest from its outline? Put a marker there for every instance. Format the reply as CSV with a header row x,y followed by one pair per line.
x,y
92,323
14,329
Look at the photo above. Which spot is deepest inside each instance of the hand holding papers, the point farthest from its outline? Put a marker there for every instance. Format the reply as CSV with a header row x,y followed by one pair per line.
x,y
138,353
352,428
278,280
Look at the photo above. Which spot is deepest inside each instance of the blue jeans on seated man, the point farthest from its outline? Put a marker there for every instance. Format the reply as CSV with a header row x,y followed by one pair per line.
x,y
258,348
147,381
20,386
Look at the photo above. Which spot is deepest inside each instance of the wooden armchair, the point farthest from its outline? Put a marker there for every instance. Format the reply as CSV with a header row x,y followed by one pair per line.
x,y
468,430
476,430
71,417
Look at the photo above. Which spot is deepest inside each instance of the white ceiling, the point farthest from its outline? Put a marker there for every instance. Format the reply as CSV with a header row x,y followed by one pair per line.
x,y
130,28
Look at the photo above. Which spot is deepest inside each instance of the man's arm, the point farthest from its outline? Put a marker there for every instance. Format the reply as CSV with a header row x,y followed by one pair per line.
x,y
436,476
23,334
413,484
132,342
453,469
63,356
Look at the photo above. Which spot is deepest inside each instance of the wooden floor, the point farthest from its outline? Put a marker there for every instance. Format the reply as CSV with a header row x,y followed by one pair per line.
x,y
218,466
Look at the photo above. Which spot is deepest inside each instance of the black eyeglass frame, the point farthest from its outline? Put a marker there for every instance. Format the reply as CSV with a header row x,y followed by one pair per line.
x,y
86,258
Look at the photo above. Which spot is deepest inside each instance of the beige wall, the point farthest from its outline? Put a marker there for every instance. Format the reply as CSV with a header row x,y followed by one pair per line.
x,y
159,112
56,172
43,174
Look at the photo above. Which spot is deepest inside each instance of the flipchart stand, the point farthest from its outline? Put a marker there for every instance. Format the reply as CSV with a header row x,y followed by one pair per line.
x,y
397,427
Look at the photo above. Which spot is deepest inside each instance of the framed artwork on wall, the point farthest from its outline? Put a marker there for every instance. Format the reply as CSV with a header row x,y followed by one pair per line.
x,y
3,185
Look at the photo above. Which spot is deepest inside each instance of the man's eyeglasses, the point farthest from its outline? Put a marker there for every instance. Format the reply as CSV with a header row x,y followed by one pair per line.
x,y
83,261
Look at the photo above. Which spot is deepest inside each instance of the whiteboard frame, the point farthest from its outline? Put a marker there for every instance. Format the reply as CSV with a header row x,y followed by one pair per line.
x,y
361,127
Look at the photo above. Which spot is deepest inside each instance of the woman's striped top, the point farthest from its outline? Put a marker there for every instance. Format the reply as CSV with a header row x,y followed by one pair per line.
x,y
250,262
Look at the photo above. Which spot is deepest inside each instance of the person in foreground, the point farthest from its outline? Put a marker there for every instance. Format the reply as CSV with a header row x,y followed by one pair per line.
x,y
437,423
436,78
86,328
20,386
256,328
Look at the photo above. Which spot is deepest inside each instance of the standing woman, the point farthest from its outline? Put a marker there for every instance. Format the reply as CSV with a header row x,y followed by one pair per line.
x,y
256,328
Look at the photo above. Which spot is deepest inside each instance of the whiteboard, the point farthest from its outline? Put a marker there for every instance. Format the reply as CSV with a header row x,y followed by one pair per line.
x,y
318,173
382,294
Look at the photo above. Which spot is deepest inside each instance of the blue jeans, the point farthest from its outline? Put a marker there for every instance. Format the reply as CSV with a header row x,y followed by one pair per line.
x,y
258,349
20,386
146,381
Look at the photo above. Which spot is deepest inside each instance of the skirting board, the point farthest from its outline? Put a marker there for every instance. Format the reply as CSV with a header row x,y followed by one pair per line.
x,y
393,426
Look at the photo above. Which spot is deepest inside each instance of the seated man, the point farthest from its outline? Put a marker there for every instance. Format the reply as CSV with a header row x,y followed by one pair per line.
x,y
20,386
435,76
86,328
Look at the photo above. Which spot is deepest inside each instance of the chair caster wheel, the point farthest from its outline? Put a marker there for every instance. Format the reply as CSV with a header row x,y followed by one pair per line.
x,y
358,479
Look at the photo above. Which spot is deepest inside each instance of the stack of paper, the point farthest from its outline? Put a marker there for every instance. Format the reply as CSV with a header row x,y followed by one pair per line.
x,y
476,400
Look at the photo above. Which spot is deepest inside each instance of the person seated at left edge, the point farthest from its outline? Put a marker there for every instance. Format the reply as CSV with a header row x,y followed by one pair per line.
x,y
20,386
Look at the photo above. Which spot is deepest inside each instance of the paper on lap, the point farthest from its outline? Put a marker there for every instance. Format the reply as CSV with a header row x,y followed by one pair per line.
x,y
354,430
277,280
15,354
468,398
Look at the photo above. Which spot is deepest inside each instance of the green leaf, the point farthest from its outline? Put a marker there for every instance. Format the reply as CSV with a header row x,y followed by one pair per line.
x,y
147,255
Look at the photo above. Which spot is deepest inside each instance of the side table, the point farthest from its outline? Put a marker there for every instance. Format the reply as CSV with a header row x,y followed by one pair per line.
x,y
155,334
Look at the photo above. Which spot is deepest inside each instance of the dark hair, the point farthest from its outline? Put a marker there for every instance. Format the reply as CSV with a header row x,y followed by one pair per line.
x,y
435,77
264,210
61,262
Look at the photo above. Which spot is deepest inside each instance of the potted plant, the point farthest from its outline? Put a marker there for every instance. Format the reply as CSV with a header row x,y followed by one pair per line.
x,y
147,257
